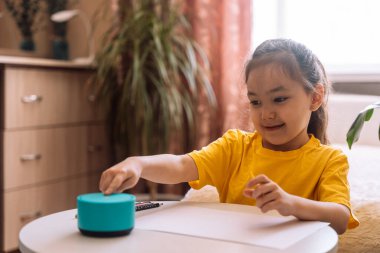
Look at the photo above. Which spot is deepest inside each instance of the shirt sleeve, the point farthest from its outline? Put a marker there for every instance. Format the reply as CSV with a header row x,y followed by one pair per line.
x,y
334,186
213,161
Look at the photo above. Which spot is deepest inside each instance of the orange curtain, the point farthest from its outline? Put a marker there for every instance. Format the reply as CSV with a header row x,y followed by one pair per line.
x,y
223,29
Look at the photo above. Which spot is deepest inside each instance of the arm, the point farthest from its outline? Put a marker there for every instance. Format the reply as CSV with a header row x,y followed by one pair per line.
x,y
167,169
269,196
336,214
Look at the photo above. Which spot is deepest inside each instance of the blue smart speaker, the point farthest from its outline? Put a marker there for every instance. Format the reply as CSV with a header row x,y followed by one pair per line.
x,y
102,215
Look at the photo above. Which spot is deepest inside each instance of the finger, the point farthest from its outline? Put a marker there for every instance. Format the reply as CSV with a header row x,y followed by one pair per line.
x,y
263,189
115,184
265,199
260,179
127,184
248,193
272,205
268,206
259,190
105,180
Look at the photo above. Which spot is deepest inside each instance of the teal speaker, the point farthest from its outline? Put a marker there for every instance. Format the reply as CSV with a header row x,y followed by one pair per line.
x,y
102,215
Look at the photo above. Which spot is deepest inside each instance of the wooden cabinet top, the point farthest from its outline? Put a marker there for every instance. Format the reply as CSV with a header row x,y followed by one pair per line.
x,y
41,62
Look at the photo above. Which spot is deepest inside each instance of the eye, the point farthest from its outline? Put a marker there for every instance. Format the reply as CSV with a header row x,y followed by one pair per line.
x,y
255,103
280,99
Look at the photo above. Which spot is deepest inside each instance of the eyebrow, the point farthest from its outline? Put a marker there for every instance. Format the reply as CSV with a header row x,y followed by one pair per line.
x,y
274,90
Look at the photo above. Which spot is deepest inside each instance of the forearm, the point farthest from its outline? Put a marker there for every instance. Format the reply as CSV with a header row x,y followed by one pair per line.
x,y
336,214
166,168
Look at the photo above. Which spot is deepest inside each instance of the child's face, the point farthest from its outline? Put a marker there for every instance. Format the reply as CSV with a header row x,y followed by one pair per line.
x,y
280,108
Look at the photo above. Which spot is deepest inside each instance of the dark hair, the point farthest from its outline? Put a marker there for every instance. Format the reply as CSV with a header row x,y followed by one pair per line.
x,y
300,64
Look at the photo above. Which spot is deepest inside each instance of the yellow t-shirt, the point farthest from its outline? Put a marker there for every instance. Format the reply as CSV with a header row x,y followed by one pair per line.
x,y
314,171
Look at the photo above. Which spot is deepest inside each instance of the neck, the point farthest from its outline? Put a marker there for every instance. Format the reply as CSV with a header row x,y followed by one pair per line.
x,y
297,142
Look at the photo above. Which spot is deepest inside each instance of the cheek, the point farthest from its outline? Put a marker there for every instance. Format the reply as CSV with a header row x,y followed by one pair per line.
x,y
252,113
254,117
289,112
300,115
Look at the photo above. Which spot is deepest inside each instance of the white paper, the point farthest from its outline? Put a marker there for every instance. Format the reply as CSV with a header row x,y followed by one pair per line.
x,y
245,225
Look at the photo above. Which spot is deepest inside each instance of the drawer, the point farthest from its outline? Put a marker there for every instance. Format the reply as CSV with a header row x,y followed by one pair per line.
x,y
35,97
99,148
33,156
21,207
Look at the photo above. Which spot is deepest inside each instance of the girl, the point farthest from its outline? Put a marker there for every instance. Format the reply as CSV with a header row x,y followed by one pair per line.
x,y
285,165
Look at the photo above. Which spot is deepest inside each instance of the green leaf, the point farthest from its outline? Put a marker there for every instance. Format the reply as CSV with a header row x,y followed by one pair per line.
x,y
353,133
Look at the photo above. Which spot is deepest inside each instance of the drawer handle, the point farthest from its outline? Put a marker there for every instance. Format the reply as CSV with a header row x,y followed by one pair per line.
x,y
30,216
31,99
30,157
94,148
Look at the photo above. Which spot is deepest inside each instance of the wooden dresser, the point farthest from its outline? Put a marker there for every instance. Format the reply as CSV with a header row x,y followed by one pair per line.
x,y
53,144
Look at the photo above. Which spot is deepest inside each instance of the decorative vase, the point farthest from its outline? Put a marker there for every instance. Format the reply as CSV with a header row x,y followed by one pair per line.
x,y
60,49
24,13
27,44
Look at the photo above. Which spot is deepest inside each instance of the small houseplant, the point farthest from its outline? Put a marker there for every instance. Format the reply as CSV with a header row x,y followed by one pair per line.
x,y
150,74
353,133
59,43
24,13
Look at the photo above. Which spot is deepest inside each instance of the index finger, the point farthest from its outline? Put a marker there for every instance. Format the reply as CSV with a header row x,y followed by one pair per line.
x,y
260,179
105,180
116,182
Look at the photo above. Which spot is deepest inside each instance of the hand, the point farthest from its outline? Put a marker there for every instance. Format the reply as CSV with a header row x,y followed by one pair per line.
x,y
120,177
269,196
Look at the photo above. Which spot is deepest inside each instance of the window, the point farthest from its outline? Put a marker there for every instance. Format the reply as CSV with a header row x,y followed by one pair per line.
x,y
345,34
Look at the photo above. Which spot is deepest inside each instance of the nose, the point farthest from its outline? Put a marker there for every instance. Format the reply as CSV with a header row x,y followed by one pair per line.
x,y
267,113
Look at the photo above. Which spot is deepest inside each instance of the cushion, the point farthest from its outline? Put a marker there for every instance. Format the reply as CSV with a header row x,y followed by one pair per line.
x,y
364,178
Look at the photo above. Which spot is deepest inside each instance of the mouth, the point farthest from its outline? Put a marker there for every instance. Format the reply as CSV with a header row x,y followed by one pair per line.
x,y
273,127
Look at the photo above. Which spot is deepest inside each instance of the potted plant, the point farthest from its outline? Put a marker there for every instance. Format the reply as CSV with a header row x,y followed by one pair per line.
x,y
24,13
353,133
150,75
59,43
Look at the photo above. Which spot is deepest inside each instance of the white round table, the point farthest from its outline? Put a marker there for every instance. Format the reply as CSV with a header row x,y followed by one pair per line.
x,y
59,233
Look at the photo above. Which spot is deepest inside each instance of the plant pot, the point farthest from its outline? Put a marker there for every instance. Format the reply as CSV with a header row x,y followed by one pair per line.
x,y
60,49
27,44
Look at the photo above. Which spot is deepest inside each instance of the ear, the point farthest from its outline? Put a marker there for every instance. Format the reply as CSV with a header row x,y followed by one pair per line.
x,y
317,97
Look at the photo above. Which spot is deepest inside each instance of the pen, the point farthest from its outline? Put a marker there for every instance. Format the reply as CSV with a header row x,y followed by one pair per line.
x,y
143,205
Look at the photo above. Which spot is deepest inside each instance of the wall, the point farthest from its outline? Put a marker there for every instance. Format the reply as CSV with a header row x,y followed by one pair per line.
x,y
363,88
10,37
76,35
100,15
343,109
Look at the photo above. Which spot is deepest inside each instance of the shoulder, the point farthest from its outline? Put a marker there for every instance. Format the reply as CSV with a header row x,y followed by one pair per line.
x,y
231,139
332,151
325,153
333,157
326,149
236,135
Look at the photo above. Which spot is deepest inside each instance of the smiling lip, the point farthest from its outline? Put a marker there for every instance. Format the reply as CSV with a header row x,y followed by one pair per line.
x,y
274,127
